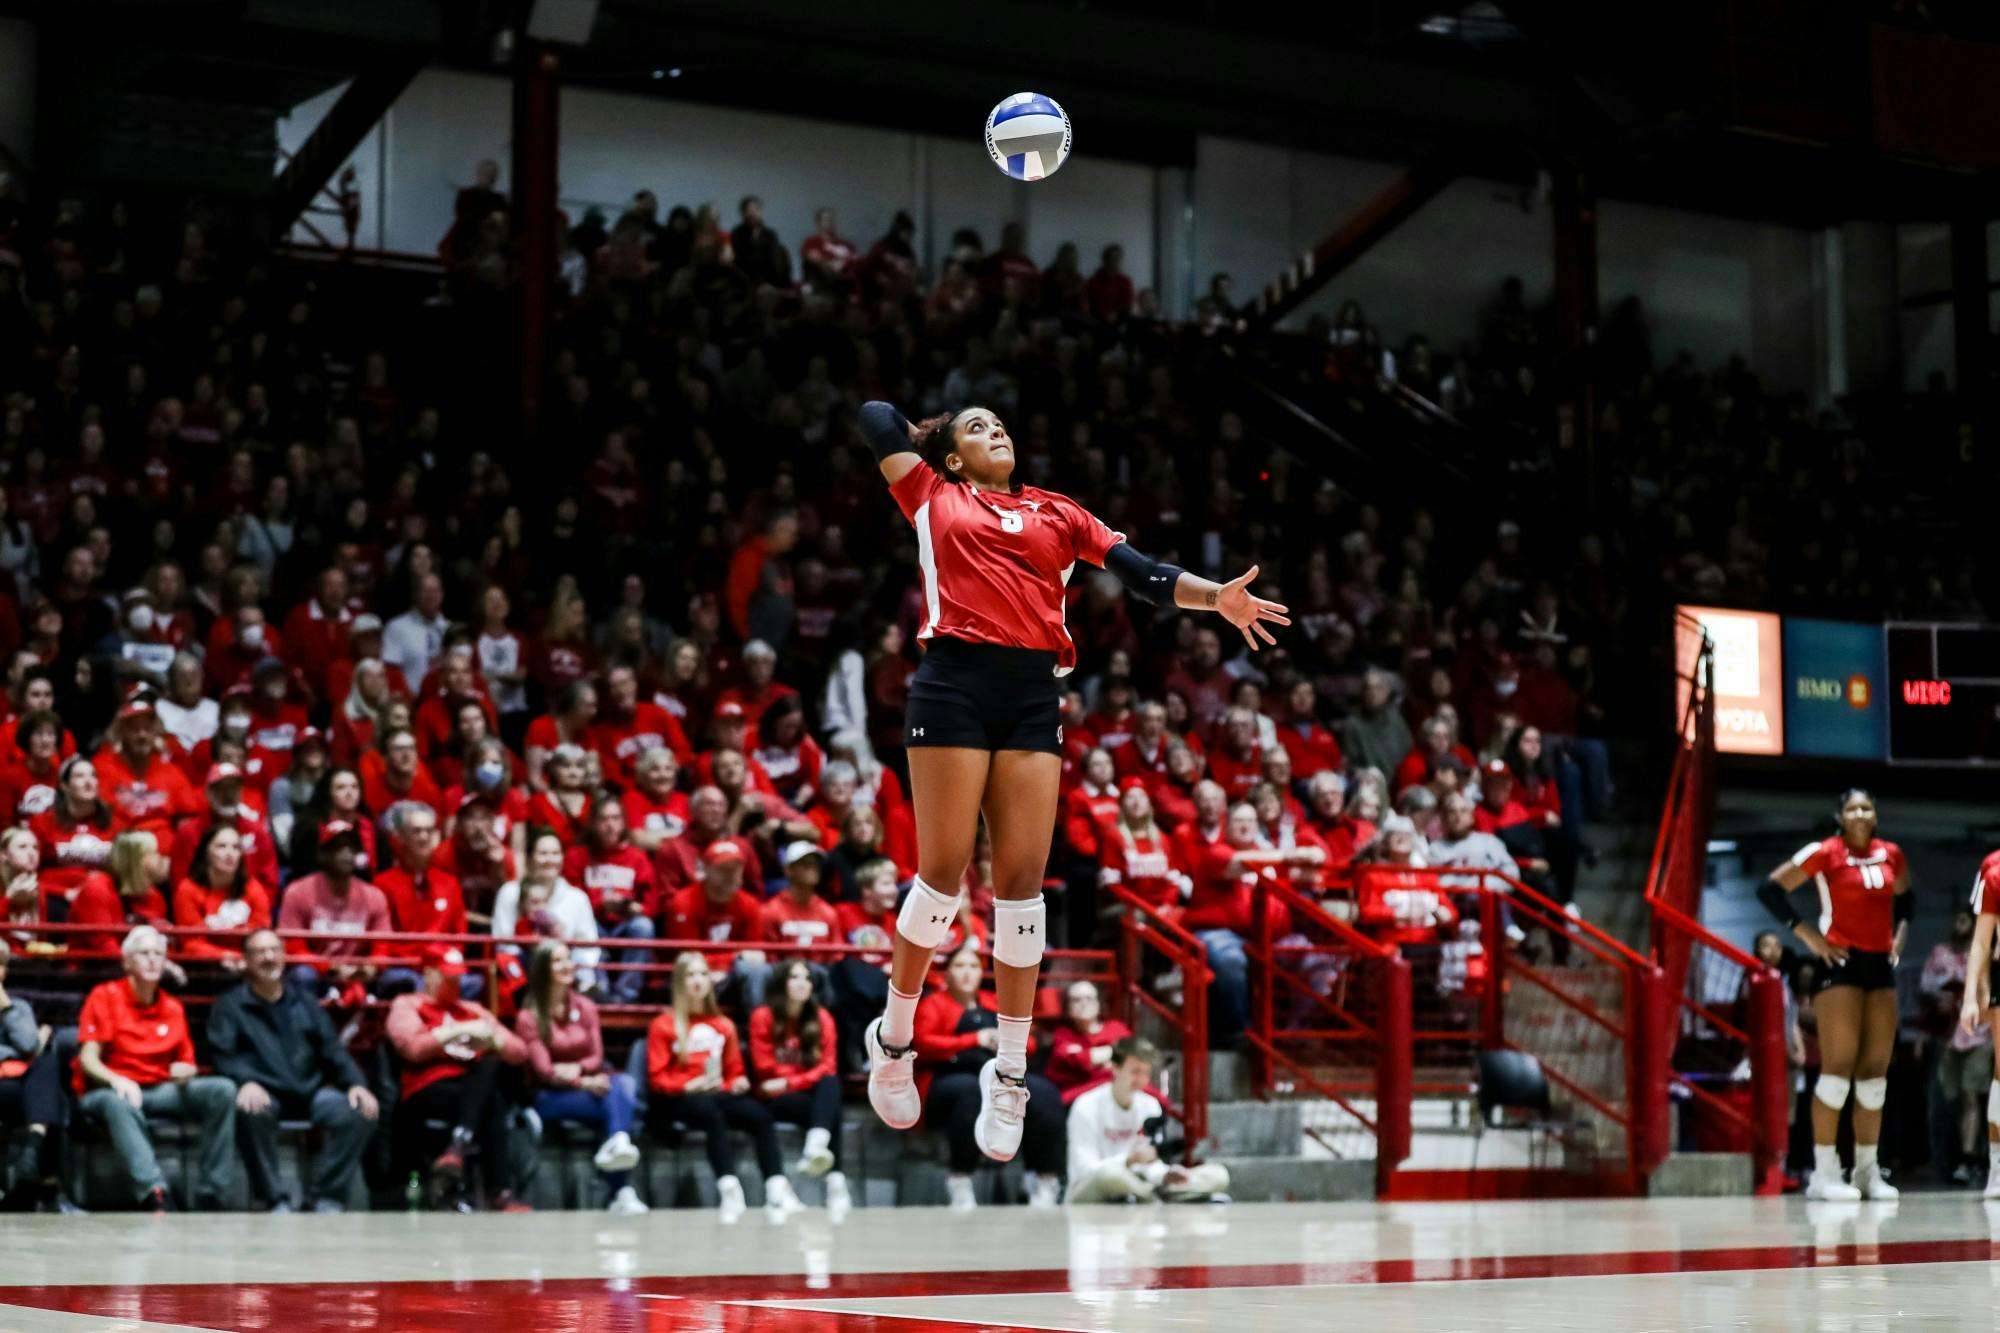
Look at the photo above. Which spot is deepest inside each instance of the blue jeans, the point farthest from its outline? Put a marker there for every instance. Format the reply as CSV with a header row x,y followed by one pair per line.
x,y
627,987
1229,1010
613,1113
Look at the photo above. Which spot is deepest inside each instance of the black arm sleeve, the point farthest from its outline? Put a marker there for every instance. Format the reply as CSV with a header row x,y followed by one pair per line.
x,y
1778,903
1903,907
1147,579
888,430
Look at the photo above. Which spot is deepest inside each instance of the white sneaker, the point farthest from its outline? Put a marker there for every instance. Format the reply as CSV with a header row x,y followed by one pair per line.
x,y
1992,1190
780,1202
1002,1111
1868,1180
838,1202
817,1159
618,1153
1832,1189
960,1189
729,1192
892,1085
1044,1191
626,1203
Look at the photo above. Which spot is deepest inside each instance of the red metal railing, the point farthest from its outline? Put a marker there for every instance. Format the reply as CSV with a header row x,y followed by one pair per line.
x,y
1699,965
1153,953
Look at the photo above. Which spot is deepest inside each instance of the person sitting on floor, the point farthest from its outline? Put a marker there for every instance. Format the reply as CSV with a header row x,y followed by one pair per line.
x,y
1113,1156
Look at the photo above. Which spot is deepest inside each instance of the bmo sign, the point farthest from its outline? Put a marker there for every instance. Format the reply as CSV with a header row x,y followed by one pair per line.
x,y
1748,677
1836,690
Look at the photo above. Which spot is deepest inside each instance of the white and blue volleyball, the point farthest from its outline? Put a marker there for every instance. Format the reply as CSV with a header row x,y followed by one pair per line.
x,y
1027,136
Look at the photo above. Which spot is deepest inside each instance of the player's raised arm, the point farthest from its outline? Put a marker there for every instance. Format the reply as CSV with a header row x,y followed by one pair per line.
x,y
893,439
1148,578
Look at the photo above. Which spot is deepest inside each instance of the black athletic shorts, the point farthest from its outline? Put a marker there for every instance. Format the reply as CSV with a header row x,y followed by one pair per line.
x,y
984,696
1862,970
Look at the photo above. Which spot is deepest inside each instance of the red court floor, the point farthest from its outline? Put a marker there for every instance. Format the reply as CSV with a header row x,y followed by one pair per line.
x,y
1926,1263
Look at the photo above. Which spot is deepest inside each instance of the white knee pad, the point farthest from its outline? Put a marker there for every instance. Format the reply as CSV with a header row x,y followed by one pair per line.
x,y
1871,1094
1020,929
927,915
1832,1090
1993,1102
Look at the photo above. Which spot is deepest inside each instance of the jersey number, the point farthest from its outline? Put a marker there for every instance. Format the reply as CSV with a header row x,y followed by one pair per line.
x,y
1009,522
1873,877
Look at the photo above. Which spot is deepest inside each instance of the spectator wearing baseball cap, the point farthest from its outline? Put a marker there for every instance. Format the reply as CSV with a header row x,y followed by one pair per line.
x,y
331,905
716,908
138,780
452,1051
227,807
622,887
799,915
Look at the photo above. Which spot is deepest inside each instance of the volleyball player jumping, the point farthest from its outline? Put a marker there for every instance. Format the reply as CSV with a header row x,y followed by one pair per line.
x,y
983,726
1865,910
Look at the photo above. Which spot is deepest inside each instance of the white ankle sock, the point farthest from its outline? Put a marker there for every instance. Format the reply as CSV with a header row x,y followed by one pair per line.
x,y
899,1019
1012,1056
1864,1157
1826,1161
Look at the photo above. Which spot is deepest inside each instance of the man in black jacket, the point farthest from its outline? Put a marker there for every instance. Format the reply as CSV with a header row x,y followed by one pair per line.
x,y
287,1062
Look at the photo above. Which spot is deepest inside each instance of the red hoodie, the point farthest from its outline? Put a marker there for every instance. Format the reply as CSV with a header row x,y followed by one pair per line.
x,y
786,1060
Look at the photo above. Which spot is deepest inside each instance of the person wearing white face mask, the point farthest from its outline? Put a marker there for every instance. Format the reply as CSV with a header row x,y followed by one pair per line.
x,y
141,644
237,645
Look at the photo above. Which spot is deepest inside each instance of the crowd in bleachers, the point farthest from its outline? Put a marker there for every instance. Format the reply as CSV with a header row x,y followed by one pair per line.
x,y
296,639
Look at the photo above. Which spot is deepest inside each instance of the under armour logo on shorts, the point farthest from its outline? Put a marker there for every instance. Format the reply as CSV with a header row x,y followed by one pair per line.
x,y
936,919
1024,930
916,731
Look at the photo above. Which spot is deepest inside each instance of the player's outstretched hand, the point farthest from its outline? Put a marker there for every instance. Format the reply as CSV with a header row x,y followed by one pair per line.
x,y
1248,612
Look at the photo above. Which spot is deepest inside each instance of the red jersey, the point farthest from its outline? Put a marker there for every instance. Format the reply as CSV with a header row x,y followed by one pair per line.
x,y
616,880
432,905
71,851
1143,865
140,1041
198,906
782,921
25,791
620,742
1986,885
154,801
995,567
691,916
1854,891
672,1064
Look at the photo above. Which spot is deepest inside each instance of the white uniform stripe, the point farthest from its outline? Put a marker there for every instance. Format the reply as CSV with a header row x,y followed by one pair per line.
x,y
1825,904
927,563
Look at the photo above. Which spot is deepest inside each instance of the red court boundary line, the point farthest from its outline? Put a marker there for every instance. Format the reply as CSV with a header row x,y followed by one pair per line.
x,y
313,1306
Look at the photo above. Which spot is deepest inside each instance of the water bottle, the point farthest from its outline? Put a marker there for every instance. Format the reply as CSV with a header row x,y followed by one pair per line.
x,y
413,1194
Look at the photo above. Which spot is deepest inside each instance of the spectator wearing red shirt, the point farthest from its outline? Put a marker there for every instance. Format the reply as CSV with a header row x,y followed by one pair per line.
x,y
28,782
330,905
717,909
1237,762
571,722
628,727
826,255
135,1062
1221,910
476,856
1437,740
1198,834
1114,720
564,805
1173,792
789,759
759,689
145,789
1080,1050
729,730
319,631
276,719
1312,747
654,811
227,807
217,893
1341,833
793,1071
1146,752
1394,906
437,718
75,832
758,591
423,900
400,776
622,887
237,644
798,916
1090,804
1136,855
678,860
125,894
1497,808
1202,679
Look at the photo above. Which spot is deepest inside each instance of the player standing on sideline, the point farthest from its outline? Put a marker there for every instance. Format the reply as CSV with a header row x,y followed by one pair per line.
x,y
983,726
1864,912
1980,989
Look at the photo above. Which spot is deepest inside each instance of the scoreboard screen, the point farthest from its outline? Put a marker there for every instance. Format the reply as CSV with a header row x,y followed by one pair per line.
x,y
1944,693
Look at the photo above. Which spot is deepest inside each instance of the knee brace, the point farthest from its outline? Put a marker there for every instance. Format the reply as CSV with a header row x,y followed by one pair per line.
x,y
1020,928
1832,1090
1871,1094
1993,1102
927,915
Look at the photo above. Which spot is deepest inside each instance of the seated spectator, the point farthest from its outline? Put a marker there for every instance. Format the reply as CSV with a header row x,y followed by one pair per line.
x,y
566,1073
123,895
695,1071
1439,741
217,893
327,908
798,916
717,909
338,799
292,790
654,810
276,718
1080,1050
956,1034
790,760
1092,803
135,1059
1221,911
1312,747
1173,792
423,900
542,889
1237,761
144,789
187,716
860,982
1375,734
476,856
1146,752
1463,847
1529,761
20,885
33,1060
437,721
1136,855
793,1041
678,860
1399,908
759,689
28,783
503,661
1113,719
623,891
1193,838
570,722
224,806
452,1051
1339,831
281,1051
488,776
400,774
862,839
1113,1157
359,717
563,803
629,727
